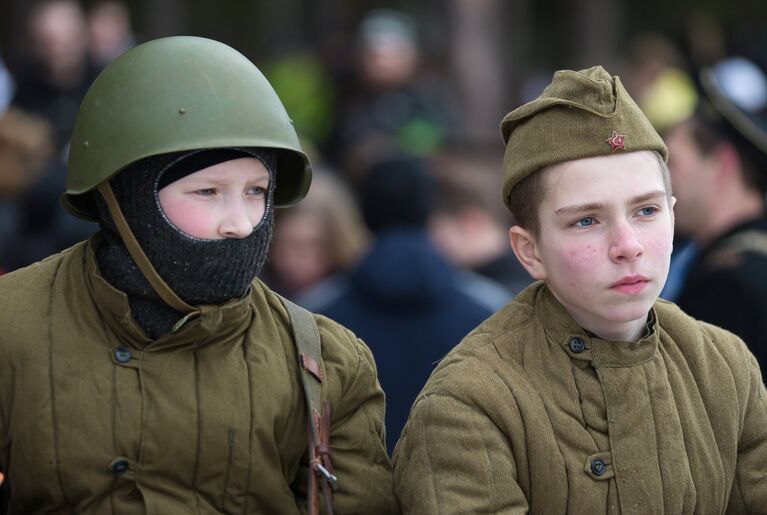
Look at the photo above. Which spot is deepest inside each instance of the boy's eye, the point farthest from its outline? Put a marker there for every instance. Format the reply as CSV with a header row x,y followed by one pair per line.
x,y
206,192
648,211
256,190
585,222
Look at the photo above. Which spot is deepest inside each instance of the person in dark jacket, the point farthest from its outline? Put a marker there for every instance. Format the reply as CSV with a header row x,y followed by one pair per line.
x,y
719,174
404,299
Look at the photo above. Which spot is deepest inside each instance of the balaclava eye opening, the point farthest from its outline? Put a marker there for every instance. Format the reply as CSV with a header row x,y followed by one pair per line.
x,y
200,272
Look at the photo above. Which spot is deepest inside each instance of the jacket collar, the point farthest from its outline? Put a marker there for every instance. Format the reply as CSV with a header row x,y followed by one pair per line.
x,y
563,331
223,322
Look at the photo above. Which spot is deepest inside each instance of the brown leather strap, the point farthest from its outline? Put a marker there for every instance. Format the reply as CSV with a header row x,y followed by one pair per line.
x,y
309,345
146,267
323,450
313,494
319,456
311,366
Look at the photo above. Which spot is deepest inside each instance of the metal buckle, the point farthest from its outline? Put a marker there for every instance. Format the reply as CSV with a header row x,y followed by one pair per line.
x,y
327,476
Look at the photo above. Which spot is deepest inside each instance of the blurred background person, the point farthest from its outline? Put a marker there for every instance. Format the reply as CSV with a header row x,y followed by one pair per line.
x,y
109,31
394,96
52,82
56,71
25,145
470,224
322,236
718,164
403,298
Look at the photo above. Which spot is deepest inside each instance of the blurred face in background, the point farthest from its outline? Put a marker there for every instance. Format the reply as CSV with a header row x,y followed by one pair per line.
x,y
298,252
58,37
109,31
388,62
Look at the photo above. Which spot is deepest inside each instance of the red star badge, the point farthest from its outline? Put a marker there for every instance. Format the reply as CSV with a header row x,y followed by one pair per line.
x,y
616,141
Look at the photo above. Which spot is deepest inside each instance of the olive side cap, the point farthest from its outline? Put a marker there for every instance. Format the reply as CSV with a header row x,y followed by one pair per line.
x,y
580,114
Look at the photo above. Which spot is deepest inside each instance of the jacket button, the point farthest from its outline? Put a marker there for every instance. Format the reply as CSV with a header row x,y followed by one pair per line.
x,y
119,466
577,345
122,354
598,467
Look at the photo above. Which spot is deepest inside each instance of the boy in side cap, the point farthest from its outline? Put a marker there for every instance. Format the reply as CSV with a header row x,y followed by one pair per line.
x,y
587,394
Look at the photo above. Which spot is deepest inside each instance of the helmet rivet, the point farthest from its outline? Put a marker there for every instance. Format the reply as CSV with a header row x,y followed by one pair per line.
x,y
182,110
85,144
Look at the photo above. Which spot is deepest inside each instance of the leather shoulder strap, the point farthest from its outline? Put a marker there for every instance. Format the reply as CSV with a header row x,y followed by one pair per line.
x,y
307,338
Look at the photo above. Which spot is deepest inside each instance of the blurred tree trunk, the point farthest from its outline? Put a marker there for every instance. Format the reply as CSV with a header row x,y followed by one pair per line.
x,y
160,18
593,35
489,42
13,30
475,67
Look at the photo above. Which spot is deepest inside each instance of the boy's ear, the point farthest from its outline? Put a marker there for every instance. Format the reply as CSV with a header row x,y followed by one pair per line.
x,y
671,204
526,249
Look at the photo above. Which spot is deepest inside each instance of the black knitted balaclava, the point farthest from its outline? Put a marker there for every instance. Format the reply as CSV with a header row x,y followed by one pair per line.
x,y
199,271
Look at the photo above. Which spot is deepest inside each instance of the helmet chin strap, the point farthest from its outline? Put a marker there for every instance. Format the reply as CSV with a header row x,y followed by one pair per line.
x,y
158,284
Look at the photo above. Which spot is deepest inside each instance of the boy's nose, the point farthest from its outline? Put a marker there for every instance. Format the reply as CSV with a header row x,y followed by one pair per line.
x,y
236,223
625,245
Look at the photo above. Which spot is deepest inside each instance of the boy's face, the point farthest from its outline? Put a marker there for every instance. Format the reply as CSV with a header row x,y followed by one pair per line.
x,y
227,200
605,239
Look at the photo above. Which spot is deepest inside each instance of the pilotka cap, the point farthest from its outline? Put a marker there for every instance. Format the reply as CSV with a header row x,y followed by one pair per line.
x,y
580,114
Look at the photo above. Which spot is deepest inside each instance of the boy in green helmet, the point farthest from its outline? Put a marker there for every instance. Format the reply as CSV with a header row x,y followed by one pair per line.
x,y
147,370
587,394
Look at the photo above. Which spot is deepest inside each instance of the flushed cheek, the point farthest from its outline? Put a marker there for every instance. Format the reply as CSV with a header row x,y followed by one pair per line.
x,y
578,261
190,219
199,227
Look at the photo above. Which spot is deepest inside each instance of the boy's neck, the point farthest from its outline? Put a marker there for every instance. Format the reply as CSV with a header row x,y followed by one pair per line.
x,y
631,331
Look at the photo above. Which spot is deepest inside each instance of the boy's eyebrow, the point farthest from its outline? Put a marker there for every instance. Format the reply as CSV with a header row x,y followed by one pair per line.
x,y
648,196
579,208
596,206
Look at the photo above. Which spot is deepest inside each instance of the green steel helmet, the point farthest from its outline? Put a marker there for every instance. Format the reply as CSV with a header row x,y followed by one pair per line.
x,y
172,94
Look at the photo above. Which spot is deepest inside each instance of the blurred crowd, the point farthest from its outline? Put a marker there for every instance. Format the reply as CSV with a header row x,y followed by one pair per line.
x,y
403,236
65,50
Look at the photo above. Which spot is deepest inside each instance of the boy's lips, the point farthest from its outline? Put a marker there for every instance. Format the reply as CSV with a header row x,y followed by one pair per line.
x,y
630,284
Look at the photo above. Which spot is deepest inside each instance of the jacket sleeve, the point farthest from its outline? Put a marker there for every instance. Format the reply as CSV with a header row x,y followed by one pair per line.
x,y
749,492
5,390
453,459
357,440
